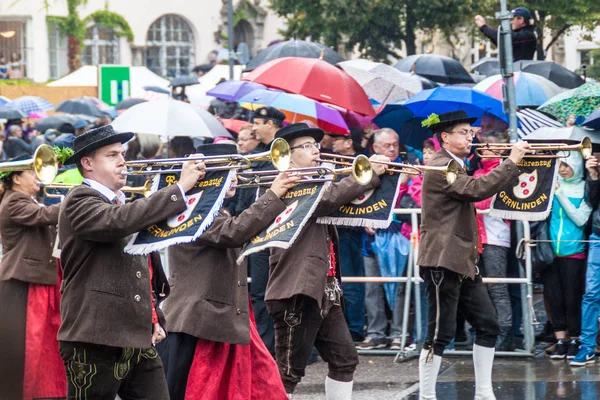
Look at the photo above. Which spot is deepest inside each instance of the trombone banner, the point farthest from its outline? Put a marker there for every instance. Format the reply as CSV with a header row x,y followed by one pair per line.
x,y
203,203
301,203
530,198
373,209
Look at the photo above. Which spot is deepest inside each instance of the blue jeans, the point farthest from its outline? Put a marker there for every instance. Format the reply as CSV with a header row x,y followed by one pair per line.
x,y
351,263
590,305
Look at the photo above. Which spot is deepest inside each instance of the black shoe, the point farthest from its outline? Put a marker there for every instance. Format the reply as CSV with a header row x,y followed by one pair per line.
x,y
357,337
547,334
561,350
573,349
505,343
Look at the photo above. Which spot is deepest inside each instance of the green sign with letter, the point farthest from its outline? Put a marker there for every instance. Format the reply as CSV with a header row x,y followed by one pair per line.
x,y
114,84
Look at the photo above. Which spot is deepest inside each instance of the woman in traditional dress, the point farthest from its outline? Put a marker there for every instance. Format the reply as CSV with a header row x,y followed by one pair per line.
x,y
213,350
30,366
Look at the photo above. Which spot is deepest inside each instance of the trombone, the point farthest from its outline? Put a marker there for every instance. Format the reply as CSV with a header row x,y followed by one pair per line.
x,y
278,155
43,163
450,170
145,190
361,169
498,149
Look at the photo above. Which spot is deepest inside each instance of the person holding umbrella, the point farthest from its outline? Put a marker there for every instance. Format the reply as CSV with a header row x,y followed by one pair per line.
x,y
524,37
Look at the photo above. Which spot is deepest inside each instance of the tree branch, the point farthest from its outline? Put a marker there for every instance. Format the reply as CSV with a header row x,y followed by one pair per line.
x,y
557,36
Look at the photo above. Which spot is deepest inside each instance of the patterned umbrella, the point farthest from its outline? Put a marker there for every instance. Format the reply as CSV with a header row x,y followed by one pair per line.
x,y
381,82
297,108
530,89
31,104
581,101
4,100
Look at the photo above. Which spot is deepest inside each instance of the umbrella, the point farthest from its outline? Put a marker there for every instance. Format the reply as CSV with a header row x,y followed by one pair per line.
x,y
571,134
8,111
29,104
233,90
440,69
157,89
297,108
407,126
531,120
382,83
4,100
294,48
54,121
486,66
581,101
79,106
184,81
530,89
315,79
170,118
427,83
96,102
551,71
444,99
593,120
234,125
128,103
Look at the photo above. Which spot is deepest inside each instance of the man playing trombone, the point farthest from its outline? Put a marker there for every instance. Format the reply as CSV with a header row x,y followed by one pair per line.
x,y
450,249
109,308
303,293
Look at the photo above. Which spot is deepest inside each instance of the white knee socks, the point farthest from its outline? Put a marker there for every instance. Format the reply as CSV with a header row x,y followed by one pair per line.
x,y
336,390
428,372
483,360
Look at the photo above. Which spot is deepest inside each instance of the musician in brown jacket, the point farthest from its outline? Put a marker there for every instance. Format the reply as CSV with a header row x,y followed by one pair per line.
x,y
110,299
30,364
449,251
303,275
211,332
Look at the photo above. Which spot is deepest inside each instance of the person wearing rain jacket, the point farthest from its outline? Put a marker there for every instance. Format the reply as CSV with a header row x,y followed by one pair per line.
x,y
565,278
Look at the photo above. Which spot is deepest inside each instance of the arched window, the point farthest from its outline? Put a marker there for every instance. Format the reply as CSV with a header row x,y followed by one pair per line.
x,y
101,46
170,47
243,33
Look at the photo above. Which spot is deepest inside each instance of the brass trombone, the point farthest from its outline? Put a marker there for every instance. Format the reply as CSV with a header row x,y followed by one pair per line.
x,y
361,169
145,190
450,170
498,150
278,155
43,163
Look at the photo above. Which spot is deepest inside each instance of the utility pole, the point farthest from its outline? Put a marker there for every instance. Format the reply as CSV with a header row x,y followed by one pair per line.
x,y
506,64
230,36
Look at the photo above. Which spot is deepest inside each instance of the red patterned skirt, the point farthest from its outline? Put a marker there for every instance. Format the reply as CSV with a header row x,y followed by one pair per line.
x,y
234,372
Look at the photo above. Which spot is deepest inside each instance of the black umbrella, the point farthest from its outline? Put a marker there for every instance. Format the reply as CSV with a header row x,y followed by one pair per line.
x,y
128,103
551,71
184,81
440,69
156,89
54,121
427,83
486,66
10,112
294,48
79,107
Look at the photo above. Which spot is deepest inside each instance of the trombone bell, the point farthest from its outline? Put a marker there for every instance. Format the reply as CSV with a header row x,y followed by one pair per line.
x,y
44,164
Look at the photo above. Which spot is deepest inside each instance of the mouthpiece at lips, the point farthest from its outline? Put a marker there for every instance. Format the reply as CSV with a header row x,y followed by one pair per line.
x,y
124,173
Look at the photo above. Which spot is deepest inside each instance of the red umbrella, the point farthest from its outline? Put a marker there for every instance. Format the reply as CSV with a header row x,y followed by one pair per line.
x,y
316,79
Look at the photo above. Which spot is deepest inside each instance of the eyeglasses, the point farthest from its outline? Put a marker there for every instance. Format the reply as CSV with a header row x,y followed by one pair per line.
x,y
466,132
307,146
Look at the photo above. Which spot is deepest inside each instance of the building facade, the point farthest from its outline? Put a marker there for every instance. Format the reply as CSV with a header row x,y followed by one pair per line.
x,y
169,37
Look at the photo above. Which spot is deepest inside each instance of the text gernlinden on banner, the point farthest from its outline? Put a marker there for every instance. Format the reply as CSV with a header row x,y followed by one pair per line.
x,y
531,197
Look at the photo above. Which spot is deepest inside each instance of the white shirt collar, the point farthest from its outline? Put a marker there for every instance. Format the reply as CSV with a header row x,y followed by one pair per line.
x,y
460,162
104,191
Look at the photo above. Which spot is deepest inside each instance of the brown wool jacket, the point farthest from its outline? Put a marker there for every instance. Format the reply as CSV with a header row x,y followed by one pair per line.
x,y
302,269
209,295
449,234
106,296
28,231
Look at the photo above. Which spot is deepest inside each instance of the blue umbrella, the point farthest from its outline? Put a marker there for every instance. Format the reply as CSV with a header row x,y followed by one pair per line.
x,y
4,101
403,121
445,99
234,90
31,104
593,120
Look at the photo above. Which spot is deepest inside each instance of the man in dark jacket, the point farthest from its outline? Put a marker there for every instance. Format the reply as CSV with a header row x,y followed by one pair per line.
x,y
524,37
